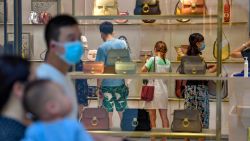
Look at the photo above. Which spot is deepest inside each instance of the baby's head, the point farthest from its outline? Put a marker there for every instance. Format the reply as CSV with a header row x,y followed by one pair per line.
x,y
46,100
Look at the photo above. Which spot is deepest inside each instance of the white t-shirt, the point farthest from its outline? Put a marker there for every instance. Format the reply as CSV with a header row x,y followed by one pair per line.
x,y
47,71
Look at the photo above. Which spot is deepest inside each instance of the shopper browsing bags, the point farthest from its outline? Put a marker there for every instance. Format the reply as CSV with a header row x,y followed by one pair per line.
x,y
47,102
114,91
196,91
159,64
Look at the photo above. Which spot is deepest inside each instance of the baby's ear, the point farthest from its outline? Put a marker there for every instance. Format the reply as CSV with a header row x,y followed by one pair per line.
x,y
52,107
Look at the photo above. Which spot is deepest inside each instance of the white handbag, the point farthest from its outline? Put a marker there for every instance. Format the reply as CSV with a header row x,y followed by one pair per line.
x,y
91,55
105,7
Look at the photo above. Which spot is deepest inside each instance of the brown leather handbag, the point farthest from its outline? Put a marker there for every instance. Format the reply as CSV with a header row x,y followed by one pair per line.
x,y
186,121
95,119
190,7
147,7
93,67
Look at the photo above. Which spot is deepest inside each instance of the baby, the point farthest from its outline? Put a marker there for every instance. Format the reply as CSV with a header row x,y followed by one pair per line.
x,y
46,101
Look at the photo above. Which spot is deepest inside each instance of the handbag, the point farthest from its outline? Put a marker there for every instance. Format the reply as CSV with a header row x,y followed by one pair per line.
x,y
212,89
225,48
179,88
145,55
120,21
95,119
44,17
191,7
147,92
135,120
92,55
186,121
177,11
33,17
115,55
125,67
192,65
181,51
105,7
147,7
93,67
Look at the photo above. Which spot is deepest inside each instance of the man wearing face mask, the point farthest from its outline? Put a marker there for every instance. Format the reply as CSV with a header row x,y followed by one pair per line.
x,y
64,49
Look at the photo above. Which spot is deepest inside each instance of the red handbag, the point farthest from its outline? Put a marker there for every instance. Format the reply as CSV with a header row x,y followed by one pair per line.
x,y
147,93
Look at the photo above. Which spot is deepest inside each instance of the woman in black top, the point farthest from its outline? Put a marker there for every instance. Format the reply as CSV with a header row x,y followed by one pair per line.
x,y
242,51
196,91
14,73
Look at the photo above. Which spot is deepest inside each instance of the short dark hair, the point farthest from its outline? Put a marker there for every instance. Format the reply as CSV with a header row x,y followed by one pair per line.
x,y
52,29
13,69
106,28
35,96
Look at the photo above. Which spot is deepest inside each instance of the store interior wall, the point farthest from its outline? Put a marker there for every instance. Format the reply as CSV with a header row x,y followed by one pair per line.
x,y
144,36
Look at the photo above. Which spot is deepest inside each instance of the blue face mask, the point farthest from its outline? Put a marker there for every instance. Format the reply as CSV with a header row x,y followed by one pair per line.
x,y
203,46
73,52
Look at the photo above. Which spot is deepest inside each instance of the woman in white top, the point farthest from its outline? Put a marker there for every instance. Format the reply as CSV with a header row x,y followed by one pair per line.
x,y
158,64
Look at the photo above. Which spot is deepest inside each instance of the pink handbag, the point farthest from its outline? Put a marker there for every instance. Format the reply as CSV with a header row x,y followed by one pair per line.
x,y
44,17
122,20
93,67
147,93
95,119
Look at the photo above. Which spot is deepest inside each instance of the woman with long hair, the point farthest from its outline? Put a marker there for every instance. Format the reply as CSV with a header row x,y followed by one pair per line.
x,y
159,64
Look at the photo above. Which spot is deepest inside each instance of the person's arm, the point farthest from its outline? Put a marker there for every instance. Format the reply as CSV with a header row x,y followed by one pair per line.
x,y
100,57
236,53
148,65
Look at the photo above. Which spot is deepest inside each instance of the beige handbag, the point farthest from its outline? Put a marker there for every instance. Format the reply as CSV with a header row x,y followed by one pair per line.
x,y
105,7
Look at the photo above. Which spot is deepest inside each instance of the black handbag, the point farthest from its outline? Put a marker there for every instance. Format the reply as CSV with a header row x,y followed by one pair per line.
x,y
147,7
135,120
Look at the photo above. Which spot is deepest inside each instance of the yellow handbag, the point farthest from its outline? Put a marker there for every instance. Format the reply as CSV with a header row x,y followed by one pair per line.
x,y
105,8
225,48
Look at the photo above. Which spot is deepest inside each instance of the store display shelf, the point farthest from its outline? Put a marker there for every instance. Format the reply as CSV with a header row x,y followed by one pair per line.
x,y
133,98
145,24
208,76
209,134
140,17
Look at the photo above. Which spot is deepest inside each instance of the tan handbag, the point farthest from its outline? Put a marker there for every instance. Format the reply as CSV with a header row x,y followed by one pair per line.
x,y
125,67
181,51
190,7
186,121
93,67
106,8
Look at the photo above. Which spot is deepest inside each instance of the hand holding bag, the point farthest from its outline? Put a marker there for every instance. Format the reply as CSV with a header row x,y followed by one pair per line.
x,y
105,7
186,121
147,92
